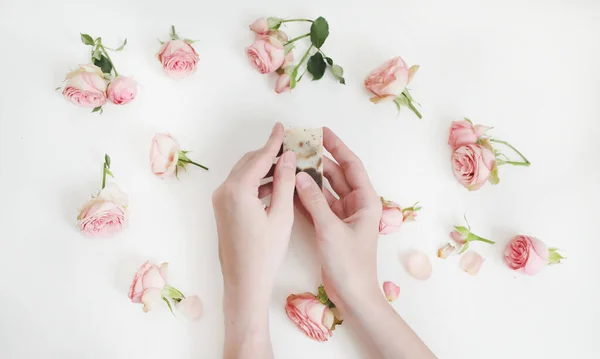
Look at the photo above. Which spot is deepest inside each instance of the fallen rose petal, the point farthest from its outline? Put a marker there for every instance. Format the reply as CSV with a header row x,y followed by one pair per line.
x,y
445,251
190,307
471,262
419,266
391,291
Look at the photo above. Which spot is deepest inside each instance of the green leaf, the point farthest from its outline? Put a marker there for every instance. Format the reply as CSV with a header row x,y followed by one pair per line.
x,y
58,88
107,160
87,39
464,248
108,172
168,304
122,46
103,64
287,48
554,257
342,81
322,296
494,179
329,61
400,101
316,66
98,109
189,41
462,230
274,23
319,31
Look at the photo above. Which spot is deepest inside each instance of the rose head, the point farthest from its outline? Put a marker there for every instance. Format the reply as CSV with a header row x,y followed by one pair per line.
x,y
122,90
464,133
472,165
283,83
391,217
164,154
526,254
105,214
178,58
260,26
314,318
390,79
86,86
148,284
266,54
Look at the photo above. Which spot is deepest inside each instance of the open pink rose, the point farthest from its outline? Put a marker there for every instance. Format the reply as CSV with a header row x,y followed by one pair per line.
x,y
266,54
472,165
105,214
147,285
164,154
464,133
314,318
390,79
283,83
86,86
526,254
122,90
178,58
190,307
260,26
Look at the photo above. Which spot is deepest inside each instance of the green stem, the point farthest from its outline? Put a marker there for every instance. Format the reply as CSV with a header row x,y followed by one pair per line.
x,y
108,57
104,176
303,59
296,39
412,107
193,163
526,161
296,20
173,33
474,237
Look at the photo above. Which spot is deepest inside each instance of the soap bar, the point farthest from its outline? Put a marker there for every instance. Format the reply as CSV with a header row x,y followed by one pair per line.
x,y
307,144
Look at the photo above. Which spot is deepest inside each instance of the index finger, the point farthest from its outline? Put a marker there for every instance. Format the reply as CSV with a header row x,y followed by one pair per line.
x,y
263,158
354,170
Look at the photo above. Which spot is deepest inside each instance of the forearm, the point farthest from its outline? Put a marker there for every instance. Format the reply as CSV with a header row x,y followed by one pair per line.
x,y
384,331
246,325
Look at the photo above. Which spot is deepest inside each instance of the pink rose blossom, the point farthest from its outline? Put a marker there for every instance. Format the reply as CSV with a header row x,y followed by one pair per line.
x,y
283,83
390,79
85,86
472,165
260,26
458,237
526,254
164,154
471,262
190,307
314,318
266,55
147,285
464,133
122,90
391,291
391,217
178,58
105,214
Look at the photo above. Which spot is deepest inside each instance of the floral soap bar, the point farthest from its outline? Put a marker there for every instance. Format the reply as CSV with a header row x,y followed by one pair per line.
x,y
307,144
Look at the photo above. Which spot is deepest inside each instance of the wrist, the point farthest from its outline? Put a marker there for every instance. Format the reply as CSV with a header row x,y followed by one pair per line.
x,y
352,304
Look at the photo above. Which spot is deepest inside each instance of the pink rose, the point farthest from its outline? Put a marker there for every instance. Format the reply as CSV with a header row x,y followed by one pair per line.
x,y
391,217
472,165
266,55
148,284
164,155
260,26
178,58
190,307
105,214
526,254
86,86
283,83
391,291
314,318
122,90
464,133
390,79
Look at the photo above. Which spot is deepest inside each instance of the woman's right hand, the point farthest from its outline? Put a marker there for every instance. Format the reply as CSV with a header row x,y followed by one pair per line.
x,y
347,225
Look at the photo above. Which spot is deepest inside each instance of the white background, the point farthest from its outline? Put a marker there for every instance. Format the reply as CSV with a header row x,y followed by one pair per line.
x,y
528,68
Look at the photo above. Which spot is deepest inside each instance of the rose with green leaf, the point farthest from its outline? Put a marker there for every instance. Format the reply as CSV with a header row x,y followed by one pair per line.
x,y
178,57
463,236
167,157
313,314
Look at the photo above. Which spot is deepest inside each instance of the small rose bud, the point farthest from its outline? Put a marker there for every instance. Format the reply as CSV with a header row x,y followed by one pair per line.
x,y
283,83
391,291
458,236
122,90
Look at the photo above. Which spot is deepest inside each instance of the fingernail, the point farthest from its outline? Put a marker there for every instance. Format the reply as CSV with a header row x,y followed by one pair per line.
x,y
288,159
303,180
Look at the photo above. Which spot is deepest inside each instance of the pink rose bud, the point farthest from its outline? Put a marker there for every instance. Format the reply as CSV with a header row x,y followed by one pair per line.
x,y
104,215
266,54
463,133
164,155
472,165
391,217
391,291
390,79
283,83
446,251
260,26
458,237
526,254
148,284
178,58
288,60
85,86
314,318
190,307
122,90
471,262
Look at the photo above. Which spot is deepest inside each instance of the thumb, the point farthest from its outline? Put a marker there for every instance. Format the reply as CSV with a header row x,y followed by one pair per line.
x,y
314,201
282,200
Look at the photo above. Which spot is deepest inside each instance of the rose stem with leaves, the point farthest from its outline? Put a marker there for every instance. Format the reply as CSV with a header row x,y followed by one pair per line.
x,y
525,162
99,41
296,20
106,170
297,38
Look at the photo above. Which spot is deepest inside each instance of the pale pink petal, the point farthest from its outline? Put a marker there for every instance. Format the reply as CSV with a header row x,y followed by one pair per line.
x,y
418,266
190,307
391,291
153,279
457,237
538,257
164,267
471,262
445,251
150,298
